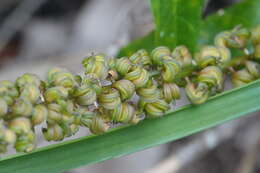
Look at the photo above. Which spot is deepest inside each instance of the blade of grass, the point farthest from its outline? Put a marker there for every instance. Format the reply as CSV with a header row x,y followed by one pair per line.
x,y
118,142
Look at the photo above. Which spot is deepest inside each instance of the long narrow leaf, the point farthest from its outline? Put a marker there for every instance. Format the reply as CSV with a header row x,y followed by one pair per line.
x,y
177,124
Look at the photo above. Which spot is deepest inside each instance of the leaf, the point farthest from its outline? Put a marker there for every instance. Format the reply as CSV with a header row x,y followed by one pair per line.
x,y
177,22
246,13
175,125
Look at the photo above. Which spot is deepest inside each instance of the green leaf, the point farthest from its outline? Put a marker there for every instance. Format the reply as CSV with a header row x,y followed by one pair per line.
x,y
177,22
245,13
175,125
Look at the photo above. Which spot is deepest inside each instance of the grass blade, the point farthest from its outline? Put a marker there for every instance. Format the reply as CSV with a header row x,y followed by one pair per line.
x,y
180,123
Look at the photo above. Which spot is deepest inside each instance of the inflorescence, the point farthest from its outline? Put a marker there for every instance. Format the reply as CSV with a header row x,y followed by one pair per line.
x,y
107,92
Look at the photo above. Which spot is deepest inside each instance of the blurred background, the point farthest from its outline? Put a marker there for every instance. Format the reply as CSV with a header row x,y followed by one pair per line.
x,y
36,35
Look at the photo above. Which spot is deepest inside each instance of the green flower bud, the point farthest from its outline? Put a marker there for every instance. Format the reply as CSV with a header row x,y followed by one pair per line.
x,y
85,117
85,95
239,38
20,125
8,99
149,94
55,93
123,65
22,107
9,136
53,132
212,76
170,70
97,65
207,56
257,52
112,75
171,91
26,143
225,56
253,68
8,88
255,35
124,113
241,77
197,94
31,92
98,125
54,113
39,114
156,109
125,87
182,55
221,39
3,107
52,72
158,53
138,76
63,78
141,57
109,98
27,79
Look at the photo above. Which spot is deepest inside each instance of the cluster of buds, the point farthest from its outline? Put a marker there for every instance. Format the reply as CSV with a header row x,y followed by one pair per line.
x,y
122,91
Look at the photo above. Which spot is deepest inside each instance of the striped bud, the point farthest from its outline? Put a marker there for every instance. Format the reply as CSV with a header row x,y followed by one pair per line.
x,y
207,56
22,107
26,143
212,76
61,78
109,98
149,94
171,91
241,77
156,109
197,94
9,136
255,35
141,57
28,79
182,55
97,65
124,113
3,107
39,114
239,37
158,53
221,39
20,125
123,65
54,113
225,56
253,68
138,76
55,93
125,87
170,70
85,95
31,92
98,125
53,132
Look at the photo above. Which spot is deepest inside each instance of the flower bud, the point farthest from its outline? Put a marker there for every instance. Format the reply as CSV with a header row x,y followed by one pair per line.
x,y
109,98
253,68
31,92
26,143
55,93
171,91
22,107
8,99
20,125
125,87
156,109
182,55
27,79
149,94
97,65
85,95
9,136
86,117
197,94
207,56
241,77
3,107
221,39
158,53
53,132
124,113
54,113
63,78
138,76
123,65
212,76
170,70
141,57
8,88
255,35
98,125
39,114
225,56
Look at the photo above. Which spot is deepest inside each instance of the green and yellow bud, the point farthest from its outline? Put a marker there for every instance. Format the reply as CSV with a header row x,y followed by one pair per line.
x,y
158,53
31,92
53,132
138,76
55,93
149,94
241,77
22,107
98,125
28,79
109,98
253,68
156,109
20,125
123,66
39,114
197,94
171,91
124,113
85,95
9,136
208,55
170,70
182,55
125,87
